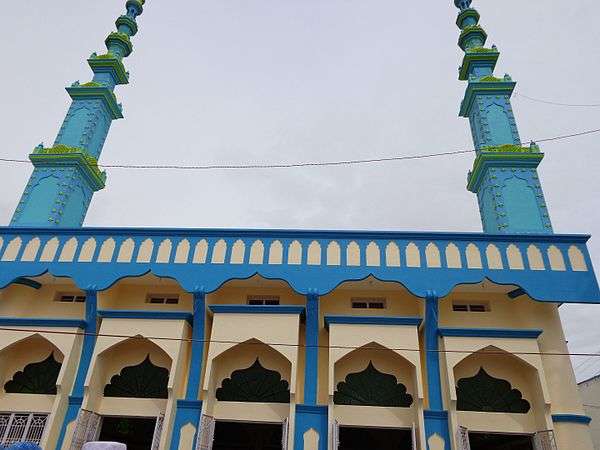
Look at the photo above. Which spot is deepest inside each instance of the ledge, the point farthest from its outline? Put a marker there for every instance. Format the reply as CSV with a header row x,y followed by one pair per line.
x,y
154,315
370,320
475,88
571,418
490,333
257,309
487,159
41,322
101,93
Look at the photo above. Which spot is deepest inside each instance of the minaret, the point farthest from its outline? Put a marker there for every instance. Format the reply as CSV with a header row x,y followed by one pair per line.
x,y
66,175
504,175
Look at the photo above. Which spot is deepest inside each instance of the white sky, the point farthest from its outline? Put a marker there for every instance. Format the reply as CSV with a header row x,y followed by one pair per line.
x,y
237,81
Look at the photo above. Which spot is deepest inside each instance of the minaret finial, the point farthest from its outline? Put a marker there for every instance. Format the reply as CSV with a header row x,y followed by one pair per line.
x,y
462,4
66,175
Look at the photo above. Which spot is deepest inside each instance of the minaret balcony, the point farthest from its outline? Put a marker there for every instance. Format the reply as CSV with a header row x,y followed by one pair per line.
x,y
97,91
467,17
478,58
126,22
109,63
472,36
488,85
119,43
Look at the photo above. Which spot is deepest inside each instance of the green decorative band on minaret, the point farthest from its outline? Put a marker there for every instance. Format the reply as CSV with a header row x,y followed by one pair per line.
x,y
66,174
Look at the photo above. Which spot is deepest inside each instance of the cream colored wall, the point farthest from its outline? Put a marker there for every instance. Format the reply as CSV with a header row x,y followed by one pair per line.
x,y
23,301
128,295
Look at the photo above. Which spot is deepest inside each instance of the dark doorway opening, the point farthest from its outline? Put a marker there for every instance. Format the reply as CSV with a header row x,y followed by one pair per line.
x,y
135,432
375,438
247,436
492,441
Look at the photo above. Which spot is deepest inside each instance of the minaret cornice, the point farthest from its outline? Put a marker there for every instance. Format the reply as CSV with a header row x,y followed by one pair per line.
x,y
488,86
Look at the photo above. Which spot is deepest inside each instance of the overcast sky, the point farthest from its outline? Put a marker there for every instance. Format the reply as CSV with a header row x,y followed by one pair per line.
x,y
235,81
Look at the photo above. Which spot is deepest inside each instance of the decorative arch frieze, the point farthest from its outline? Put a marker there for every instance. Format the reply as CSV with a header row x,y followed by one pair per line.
x,y
36,378
144,380
484,393
254,384
372,388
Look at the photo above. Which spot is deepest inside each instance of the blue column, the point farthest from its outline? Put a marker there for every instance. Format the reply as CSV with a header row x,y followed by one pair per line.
x,y
87,351
436,418
190,408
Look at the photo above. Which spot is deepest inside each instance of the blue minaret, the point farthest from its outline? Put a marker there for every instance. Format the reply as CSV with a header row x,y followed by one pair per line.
x,y
504,175
66,175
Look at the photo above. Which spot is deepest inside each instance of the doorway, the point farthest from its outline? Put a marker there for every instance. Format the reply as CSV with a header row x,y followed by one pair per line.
x,y
247,436
135,432
352,438
493,441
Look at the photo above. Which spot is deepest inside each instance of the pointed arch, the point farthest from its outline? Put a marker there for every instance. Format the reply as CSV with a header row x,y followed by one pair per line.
x,y
67,253
200,252
145,252
276,252
31,250
413,256
353,254
432,256
373,255
334,256
126,248
182,252
12,249
535,259
87,250
515,258
218,253
50,249
36,378
494,260
144,380
313,257
164,252
557,261
473,257
257,252
295,253
577,259
238,252
392,255
453,260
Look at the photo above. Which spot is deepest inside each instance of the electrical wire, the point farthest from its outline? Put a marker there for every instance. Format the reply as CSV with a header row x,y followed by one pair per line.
x,y
282,165
548,102
282,344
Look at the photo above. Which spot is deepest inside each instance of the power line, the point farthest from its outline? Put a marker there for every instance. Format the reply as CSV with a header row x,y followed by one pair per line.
x,y
548,102
283,344
349,162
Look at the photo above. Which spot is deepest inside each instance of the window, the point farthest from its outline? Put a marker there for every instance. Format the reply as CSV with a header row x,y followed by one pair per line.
x,y
163,299
21,427
70,297
368,303
471,307
270,300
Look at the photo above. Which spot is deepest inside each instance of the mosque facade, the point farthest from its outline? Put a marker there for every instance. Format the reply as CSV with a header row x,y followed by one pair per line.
x,y
229,339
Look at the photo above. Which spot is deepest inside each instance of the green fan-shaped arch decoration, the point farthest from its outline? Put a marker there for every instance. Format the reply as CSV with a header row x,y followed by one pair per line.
x,y
142,381
36,378
485,393
372,388
254,384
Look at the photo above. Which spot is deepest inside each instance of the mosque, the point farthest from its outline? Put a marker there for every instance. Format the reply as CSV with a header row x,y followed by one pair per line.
x,y
230,339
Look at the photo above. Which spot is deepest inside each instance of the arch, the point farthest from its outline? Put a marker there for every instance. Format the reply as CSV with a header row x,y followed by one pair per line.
x,y
557,261
334,254
125,254
218,253
31,250
295,253
534,257
473,257
310,438
200,252
577,259
182,252
145,252
106,251
50,250
87,250
392,255
515,258
36,378
373,255
276,252
494,260
67,253
257,252
432,256
238,252
413,256
12,249
144,380
164,252
353,254
453,260
314,254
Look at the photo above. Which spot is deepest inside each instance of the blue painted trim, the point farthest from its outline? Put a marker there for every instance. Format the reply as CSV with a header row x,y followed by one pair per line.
x,y
312,409
379,320
75,400
27,282
311,417
188,411
490,333
257,309
195,369
311,365
155,315
189,404
571,418
432,357
434,414
42,322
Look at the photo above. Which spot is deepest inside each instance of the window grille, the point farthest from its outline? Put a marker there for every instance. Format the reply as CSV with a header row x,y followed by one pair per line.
x,y
163,299
69,297
368,303
470,307
285,433
21,427
158,431
270,300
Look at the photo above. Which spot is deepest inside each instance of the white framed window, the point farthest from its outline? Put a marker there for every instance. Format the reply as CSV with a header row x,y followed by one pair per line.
x,y
21,427
163,299
70,297
474,307
368,303
271,300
